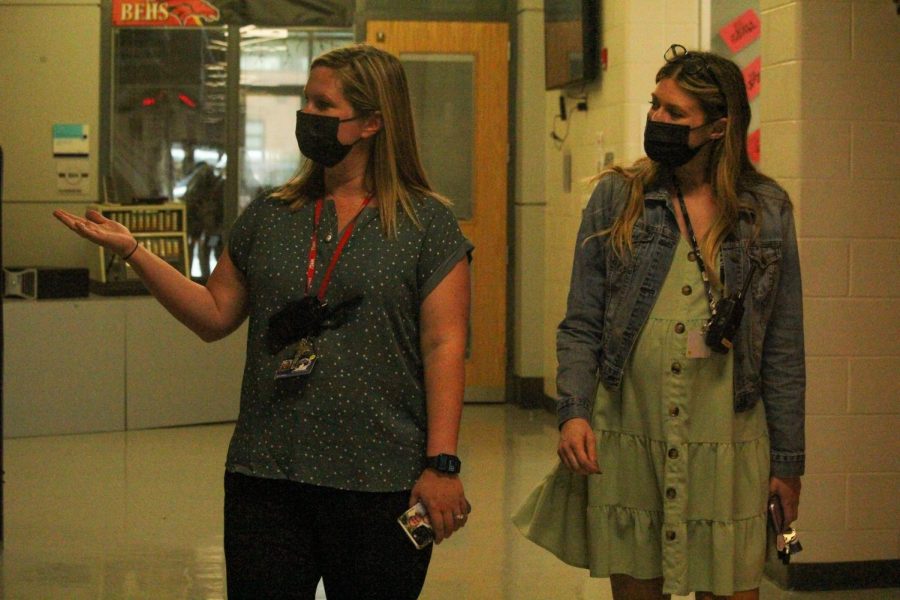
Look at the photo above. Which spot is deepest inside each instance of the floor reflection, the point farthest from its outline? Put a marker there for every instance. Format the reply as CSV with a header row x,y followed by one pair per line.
x,y
138,515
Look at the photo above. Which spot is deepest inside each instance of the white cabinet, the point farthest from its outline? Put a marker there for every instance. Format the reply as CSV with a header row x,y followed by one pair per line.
x,y
63,366
110,364
174,377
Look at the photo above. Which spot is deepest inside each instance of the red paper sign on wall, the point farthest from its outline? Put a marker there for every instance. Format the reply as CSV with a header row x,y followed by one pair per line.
x,y
751,78
163,13
742,31
753,146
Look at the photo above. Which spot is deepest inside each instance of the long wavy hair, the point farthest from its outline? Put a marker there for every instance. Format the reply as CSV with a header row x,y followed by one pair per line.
x,y
719,89
373,81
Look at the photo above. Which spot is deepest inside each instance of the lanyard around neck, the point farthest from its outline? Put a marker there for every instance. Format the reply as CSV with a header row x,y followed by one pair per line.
x,y
695,247
314,248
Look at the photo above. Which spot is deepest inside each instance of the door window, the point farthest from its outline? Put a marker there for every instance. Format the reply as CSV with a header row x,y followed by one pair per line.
x,y
445,122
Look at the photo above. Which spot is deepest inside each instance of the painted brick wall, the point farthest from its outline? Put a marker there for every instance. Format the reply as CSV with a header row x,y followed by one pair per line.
x,y
830,131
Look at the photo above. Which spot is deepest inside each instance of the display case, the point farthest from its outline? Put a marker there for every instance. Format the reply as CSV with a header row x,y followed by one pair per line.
x,y
159,228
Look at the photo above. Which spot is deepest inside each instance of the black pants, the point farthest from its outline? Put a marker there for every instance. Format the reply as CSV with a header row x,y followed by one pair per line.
x,y
281,537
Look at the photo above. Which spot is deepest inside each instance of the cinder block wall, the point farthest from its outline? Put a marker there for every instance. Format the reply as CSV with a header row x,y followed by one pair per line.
x,y
830,131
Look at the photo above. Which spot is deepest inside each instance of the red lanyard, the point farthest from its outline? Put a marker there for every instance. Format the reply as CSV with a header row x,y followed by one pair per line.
x,y
314,248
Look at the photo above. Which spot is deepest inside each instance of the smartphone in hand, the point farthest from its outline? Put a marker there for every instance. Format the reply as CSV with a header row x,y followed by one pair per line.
x,y
786,540
417,526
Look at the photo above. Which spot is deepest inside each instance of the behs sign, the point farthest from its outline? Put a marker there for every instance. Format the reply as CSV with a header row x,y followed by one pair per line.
x,y
163,13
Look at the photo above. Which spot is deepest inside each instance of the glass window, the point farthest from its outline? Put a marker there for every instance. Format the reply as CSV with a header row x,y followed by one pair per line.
x,y
274,69
172,97
168,109
447,119
168,128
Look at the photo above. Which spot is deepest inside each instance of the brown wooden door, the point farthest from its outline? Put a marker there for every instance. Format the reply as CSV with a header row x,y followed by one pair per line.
x,y
458,75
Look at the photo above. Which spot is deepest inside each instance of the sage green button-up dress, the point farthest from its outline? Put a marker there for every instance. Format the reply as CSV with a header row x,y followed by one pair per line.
x,y
685,479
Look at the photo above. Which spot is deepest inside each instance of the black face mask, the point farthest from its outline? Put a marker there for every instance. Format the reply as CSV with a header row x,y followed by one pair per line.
x,y
317,138
667,143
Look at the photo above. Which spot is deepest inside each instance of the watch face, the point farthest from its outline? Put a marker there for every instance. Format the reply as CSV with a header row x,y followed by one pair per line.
x,y
445,463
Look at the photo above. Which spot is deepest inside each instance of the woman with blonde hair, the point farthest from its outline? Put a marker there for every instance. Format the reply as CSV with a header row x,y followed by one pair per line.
x,y
354,276
681,364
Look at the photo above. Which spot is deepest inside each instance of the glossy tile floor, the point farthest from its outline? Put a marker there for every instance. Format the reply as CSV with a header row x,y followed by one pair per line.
x,y
137,515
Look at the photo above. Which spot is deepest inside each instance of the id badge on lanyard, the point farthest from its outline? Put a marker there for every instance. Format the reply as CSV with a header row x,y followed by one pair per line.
x,y
302,363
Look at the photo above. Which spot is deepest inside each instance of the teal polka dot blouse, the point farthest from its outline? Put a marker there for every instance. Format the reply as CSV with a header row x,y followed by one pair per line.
x,y
358,420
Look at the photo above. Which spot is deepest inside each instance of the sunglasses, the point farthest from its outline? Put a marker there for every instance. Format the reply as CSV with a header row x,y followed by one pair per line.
x,y
691,62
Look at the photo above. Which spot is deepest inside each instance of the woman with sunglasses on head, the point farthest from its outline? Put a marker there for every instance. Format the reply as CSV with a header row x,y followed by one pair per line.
x,y
354,275
681,364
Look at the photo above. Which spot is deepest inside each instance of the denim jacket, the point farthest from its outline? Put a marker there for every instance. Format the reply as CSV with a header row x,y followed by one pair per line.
x,y
610,299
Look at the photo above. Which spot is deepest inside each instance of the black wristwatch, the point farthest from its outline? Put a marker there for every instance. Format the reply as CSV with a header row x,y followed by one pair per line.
x,y
444,463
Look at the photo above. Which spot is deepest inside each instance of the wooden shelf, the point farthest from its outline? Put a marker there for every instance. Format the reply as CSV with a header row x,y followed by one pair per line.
x,y
158,228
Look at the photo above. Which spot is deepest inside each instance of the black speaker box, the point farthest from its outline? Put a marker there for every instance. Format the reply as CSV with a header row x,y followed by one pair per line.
x,y
45,282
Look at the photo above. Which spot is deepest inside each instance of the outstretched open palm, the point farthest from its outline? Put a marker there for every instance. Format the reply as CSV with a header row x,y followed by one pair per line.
x,y
110,234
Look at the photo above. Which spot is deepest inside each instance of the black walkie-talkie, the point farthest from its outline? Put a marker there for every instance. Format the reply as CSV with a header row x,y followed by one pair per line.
x,y
726,317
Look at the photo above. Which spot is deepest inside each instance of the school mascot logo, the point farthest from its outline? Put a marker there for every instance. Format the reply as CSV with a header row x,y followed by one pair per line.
x,y
193,12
